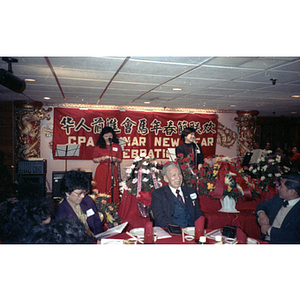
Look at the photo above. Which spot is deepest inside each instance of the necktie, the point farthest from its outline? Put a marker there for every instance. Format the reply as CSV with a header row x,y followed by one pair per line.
x,y
285,203
179,197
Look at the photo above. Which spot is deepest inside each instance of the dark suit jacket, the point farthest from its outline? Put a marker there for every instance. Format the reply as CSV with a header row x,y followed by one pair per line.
x,y
64,210
290,227
199,158
162,205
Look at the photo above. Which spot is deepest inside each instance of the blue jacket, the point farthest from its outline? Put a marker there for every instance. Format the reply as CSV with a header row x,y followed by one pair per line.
x,y
64,210
289,232
162,205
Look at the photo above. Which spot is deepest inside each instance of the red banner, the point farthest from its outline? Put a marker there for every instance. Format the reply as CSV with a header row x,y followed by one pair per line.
x,y
143,132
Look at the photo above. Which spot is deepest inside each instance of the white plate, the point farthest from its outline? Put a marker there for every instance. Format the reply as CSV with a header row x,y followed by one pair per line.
x,y
189,230
252,241
138,232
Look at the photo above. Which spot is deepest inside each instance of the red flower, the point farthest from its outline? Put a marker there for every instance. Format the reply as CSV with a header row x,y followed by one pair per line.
x,y
183,167
180,155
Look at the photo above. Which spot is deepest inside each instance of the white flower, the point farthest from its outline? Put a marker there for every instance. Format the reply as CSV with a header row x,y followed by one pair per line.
x,y
277,174
135,180
264,168
271,160
278,158
145,179
270,175
262,177
255,171
269,151
251,168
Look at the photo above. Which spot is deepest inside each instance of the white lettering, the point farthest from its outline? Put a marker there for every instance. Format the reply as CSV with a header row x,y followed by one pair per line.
x,y
157,142
90,142
72,140
166,142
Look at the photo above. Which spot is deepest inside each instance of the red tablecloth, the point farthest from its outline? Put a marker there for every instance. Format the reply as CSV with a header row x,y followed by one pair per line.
x,y
129,212
246,220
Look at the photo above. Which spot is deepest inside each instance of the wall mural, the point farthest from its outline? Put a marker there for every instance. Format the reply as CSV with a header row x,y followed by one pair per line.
x,y
28,116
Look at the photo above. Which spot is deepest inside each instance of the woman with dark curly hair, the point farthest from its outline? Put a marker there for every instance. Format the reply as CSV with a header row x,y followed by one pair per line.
x,y
74,188
107,154
25,215
63,231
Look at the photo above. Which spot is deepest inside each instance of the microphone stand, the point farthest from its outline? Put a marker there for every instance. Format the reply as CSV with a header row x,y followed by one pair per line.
x,y
196,156
112,172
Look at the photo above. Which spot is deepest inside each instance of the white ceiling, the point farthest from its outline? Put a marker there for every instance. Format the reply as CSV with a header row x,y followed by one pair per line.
x,y
212,83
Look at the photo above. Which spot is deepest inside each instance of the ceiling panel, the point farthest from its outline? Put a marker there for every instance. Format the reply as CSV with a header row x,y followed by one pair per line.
x,y
206,82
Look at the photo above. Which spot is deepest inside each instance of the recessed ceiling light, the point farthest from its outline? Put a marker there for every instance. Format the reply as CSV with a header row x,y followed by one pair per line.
x,y
232,105
147,102
295,96
47,98
176,89
293,112
29,79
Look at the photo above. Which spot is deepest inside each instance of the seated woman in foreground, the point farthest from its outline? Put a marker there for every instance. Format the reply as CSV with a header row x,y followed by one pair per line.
x,y
77,204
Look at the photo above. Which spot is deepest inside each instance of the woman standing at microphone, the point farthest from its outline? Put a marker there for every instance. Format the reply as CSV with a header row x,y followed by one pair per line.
x,y
107,154
189,146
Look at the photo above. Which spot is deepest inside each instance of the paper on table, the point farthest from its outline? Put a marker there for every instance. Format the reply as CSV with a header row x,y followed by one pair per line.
x,y
111,231
214,233
161,234
111,241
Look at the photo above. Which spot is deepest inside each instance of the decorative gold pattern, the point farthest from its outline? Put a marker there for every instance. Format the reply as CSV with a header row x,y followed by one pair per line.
x,y
246,125
28,116
226,137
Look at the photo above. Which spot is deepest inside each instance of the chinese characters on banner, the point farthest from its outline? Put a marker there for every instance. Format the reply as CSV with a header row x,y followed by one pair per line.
x,y
144,132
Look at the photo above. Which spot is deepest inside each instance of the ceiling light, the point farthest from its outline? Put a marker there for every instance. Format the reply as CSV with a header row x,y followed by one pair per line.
x,y
47,98
295,96
29,79
176,89
232,105
293,112
147,102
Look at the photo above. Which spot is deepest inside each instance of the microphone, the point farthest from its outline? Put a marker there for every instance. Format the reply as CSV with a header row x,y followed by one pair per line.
x,y
110,140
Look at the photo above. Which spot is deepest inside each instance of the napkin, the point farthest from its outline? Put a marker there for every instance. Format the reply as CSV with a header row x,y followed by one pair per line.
x,y
241,236
148,234
199,227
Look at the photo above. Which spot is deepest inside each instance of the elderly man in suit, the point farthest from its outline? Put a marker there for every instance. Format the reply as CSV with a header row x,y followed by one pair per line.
x,y
279,217
174,203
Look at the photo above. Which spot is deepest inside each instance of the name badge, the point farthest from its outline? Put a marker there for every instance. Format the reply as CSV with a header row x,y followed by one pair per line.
x,y
193,196
90,212
115,149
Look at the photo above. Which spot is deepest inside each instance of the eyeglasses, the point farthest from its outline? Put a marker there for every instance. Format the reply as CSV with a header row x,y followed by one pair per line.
x,y
82,193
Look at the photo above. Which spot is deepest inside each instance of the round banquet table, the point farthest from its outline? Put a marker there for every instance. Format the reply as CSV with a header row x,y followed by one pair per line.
x,y
175,240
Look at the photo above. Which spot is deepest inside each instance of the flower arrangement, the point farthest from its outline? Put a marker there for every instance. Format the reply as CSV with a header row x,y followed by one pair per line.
x,y
225,177
189,172
143,175
267,171
109,209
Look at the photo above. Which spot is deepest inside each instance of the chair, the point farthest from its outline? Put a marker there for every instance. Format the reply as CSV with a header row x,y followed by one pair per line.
x,y
152,219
